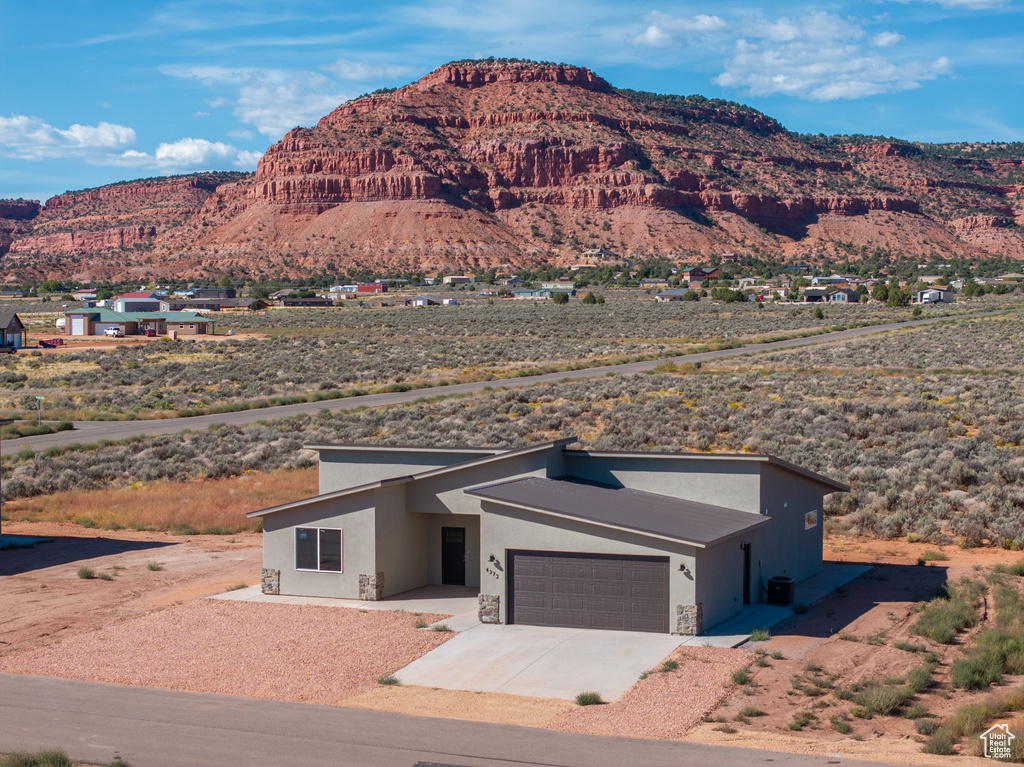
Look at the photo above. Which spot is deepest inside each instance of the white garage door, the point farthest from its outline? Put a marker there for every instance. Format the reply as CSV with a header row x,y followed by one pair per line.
x,y
78,326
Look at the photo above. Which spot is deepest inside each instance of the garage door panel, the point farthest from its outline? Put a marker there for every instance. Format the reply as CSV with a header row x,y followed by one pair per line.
x,y
568,570
597,591
648,592
569,587
562,603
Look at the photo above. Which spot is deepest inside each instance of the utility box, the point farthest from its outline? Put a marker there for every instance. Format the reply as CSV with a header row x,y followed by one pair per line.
x,y
781,590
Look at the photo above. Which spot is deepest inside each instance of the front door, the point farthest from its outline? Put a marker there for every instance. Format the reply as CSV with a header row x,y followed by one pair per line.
x,y
453,556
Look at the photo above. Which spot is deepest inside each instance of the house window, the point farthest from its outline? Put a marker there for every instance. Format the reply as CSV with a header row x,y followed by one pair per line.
x,y
811,519
318,548
191,326
181,326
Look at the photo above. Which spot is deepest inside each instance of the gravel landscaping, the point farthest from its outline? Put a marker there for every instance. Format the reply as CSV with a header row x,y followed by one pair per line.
x,y
277,652
666,704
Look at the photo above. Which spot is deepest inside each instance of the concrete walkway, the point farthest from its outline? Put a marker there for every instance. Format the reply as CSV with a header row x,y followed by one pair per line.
x,y
457,602
736,631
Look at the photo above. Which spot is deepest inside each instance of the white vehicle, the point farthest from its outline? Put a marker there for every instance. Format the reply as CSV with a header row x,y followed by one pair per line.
x,y
115,332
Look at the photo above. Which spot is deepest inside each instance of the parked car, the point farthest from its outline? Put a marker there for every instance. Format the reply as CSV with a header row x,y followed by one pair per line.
x,y
51,343
115,332
8,349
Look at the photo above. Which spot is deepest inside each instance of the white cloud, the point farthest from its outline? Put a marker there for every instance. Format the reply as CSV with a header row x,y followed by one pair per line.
x,y
272,100
190,154
30,138
973,5
362,72
241,134
663,30
887,39
819,56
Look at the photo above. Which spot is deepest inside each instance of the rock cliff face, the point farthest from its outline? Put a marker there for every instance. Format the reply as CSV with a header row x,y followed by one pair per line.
x,y
483,164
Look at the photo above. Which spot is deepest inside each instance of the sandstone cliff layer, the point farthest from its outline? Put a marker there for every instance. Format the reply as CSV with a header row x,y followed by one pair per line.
x,y
489,163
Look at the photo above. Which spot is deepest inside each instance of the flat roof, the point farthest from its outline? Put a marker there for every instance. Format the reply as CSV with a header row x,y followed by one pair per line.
x,y
660,516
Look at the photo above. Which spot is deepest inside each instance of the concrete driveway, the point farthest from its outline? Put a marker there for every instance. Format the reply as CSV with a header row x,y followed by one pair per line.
x,y
539,661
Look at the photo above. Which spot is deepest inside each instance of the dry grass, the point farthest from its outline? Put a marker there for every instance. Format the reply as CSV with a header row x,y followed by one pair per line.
x,y
210,506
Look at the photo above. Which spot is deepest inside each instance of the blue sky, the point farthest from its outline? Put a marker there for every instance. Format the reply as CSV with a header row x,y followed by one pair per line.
x,y
95,92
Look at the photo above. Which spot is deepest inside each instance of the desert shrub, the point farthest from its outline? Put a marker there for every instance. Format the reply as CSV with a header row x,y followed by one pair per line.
x,y
926,726
940,743
49,758
947,615
882,699
589,697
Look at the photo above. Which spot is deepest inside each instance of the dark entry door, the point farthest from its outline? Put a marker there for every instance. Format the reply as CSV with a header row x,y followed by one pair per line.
x,y
453,556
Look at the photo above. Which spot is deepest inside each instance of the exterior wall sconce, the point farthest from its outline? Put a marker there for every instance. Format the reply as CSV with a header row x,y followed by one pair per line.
x,y
683,568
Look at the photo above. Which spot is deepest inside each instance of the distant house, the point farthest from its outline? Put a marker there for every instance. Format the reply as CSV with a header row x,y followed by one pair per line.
x,y
695,276
457,279
12,330
815,295
934,296
312,302
423,301
510,282
564,286
209,304
84,295
95,322
371,287
12,294
137,302
539,292
842,296
213,293
676,294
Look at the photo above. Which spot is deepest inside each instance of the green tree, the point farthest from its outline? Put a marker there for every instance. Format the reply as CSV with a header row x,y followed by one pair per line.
x,y
898,297
50,286
818,313
880,292
590,298
560,298
102,294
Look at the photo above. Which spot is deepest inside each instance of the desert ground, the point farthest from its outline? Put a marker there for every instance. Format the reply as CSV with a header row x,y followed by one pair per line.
x,y
149,624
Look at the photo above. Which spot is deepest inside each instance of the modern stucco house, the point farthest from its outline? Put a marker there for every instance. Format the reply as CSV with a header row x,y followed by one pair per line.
x,y
550,535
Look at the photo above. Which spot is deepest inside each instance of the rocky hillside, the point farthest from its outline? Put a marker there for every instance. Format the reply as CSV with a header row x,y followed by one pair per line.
x,y
486,163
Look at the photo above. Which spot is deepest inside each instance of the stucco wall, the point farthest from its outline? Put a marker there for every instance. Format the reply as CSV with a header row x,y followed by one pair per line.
x,y
503,528
401,542
444,494
785,547
733,484
720,580
354,515
340,469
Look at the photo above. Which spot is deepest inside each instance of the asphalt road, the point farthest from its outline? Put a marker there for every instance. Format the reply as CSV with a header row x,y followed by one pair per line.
x,y
157,728
94,431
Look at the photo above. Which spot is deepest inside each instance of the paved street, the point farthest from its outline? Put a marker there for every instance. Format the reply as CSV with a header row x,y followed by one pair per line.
x,y
94,431
162,728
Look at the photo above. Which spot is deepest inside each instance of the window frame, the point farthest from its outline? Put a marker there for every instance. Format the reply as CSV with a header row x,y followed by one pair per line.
x,y
807,516
319,569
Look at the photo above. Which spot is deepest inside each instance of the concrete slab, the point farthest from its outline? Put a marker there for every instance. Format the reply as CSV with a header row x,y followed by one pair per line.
x,y
736,631
540,661
457,602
